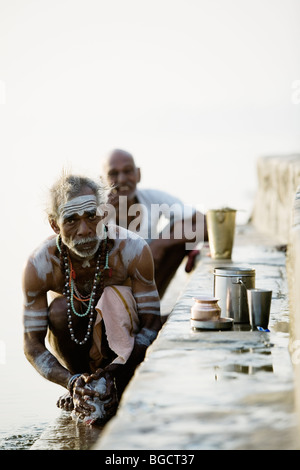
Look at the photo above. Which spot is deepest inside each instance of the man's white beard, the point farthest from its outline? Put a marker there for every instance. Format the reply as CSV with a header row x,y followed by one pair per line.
x,y
73,246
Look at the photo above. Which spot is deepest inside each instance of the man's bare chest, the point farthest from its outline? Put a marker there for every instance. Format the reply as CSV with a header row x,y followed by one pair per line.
x,y
84,274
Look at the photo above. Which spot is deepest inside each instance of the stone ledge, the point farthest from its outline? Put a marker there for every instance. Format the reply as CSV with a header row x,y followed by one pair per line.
x,y
293,274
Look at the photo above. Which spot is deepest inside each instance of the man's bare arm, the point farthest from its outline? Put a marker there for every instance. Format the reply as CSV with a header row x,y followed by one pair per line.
x,y
35,320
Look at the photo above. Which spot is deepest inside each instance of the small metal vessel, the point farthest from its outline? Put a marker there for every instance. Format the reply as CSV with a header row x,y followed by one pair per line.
x,y
230,286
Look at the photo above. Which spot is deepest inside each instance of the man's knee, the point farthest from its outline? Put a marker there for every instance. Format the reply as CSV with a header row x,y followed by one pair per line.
x,y
57,311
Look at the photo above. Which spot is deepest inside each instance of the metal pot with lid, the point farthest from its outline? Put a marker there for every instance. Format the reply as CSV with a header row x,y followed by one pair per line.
x,y
230,286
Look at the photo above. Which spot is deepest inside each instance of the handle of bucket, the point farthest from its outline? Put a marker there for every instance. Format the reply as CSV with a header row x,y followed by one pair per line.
x,y
240,282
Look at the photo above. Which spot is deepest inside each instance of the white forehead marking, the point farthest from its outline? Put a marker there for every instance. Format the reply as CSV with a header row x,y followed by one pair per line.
x,y
78,205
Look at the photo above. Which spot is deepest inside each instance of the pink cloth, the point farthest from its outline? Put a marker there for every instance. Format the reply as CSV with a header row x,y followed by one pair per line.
x,y
117,308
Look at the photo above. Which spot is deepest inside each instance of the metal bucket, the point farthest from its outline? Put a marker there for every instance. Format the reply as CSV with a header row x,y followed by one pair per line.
x,y
230,286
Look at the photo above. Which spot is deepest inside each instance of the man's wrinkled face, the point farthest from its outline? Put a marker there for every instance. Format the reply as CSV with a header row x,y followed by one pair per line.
x,y
78,221
122,173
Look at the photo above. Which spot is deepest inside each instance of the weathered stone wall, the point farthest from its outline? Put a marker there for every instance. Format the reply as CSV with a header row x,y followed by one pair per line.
x,y
278,179
293,274
277,212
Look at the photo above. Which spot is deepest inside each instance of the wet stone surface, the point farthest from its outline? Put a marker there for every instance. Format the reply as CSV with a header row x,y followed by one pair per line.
x,y
65,434
214,389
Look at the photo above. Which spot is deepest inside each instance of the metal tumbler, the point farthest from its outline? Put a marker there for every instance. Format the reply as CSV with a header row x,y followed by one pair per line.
x,y
259,303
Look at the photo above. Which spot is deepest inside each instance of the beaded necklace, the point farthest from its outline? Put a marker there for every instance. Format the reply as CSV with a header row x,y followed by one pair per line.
x,y
70,286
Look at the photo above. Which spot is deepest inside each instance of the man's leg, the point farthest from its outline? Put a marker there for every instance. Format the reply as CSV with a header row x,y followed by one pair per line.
x,y
72,356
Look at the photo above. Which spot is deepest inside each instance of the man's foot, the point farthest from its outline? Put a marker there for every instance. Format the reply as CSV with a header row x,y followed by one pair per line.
x,y
65,402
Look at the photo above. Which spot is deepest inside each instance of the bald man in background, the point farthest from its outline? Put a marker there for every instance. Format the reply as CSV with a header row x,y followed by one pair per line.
x,y
134,211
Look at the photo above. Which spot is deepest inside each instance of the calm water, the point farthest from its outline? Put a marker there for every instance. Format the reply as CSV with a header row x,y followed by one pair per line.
x,y
27,401
28,408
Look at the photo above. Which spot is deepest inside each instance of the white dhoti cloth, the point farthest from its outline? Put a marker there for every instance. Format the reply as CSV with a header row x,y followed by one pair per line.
x,y
117,308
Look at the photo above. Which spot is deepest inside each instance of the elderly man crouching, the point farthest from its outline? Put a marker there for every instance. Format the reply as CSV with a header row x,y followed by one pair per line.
x,y
105,311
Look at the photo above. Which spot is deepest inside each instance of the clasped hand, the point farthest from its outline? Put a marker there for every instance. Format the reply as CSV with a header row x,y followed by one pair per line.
x,y
83,395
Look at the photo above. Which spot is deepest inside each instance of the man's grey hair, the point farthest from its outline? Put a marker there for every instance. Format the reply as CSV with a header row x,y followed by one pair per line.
x,y
69,186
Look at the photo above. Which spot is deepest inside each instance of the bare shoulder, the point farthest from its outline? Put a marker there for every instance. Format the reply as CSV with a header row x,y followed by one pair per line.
x,y
136,258
41,263
130,245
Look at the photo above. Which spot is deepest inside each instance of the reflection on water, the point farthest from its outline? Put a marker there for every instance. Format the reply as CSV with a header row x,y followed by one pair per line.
x,y
28,410
62,434
66,434
27,401
249,370
22,439
247,361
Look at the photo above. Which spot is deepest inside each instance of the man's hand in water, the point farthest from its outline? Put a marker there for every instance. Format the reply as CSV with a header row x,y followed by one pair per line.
x,y
65,402
81,394
111,391
72,399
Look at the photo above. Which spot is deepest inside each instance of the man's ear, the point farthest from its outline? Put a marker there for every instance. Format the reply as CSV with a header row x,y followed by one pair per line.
x,y
138,175
54,226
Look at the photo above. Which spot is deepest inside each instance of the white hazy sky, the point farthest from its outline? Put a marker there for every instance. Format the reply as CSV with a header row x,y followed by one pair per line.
x,y
196,89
